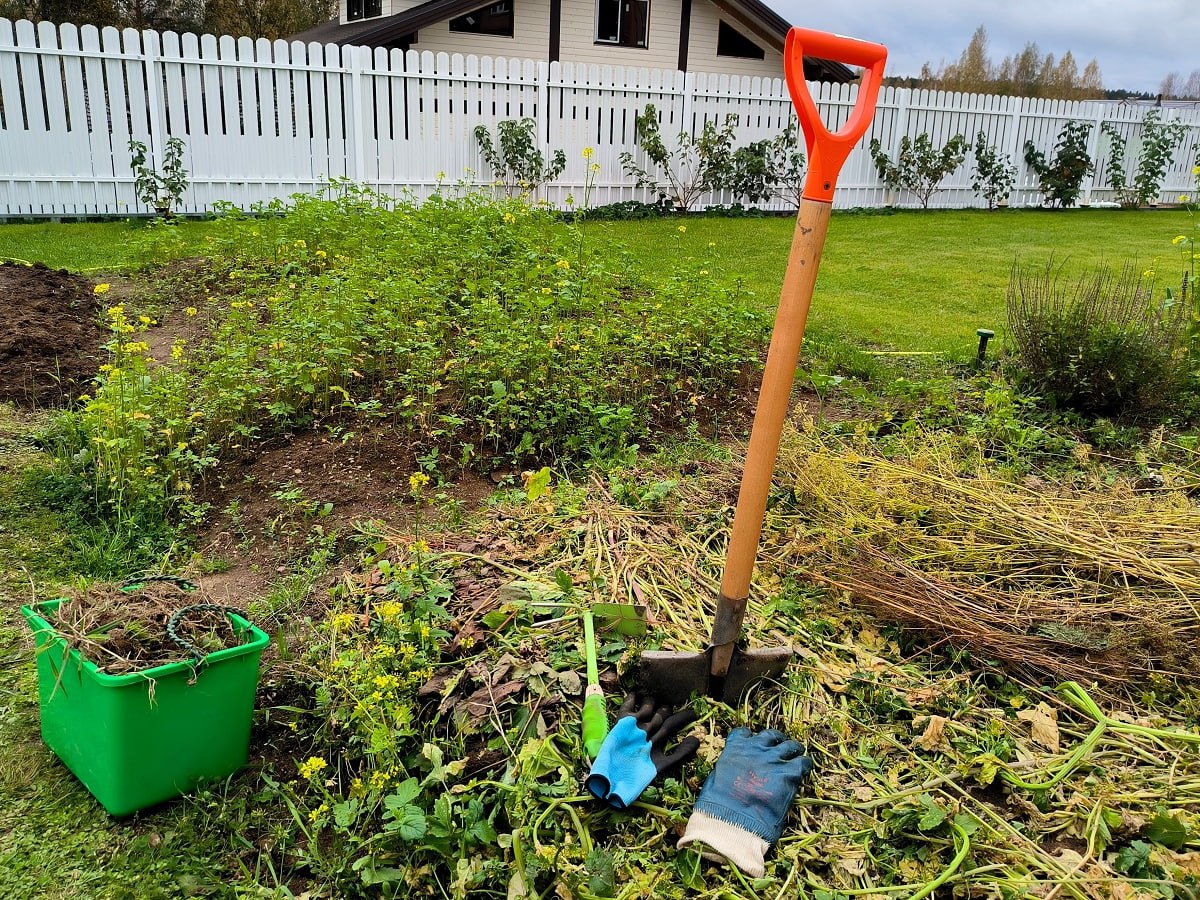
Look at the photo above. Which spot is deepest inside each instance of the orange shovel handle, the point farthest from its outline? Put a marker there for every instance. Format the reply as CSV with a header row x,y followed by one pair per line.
x,y
828,151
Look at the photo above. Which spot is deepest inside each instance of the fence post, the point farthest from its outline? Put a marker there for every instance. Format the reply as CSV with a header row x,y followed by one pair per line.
x,y
685,113
157,123
1093,148
356,108
543,103
1017,106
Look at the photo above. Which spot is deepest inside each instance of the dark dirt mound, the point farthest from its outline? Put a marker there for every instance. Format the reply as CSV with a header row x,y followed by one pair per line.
x,y
50,335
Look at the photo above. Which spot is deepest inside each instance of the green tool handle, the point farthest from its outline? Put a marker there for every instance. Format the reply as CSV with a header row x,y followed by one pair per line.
x,y
595,716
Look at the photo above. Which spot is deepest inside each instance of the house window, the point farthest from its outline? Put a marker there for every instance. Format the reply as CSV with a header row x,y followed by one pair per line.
x,y
622,22
496,19
731,42
363,9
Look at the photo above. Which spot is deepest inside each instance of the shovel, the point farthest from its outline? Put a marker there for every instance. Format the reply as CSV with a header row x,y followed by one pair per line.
x,y
724,670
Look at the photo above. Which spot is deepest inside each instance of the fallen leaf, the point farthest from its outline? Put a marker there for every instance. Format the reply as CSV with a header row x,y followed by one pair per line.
x,y
1043,721
934,736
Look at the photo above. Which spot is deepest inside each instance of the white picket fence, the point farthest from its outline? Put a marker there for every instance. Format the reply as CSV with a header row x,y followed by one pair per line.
x,y
263,119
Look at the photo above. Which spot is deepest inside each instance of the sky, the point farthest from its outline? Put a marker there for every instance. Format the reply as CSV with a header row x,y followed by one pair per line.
x,y
1136,42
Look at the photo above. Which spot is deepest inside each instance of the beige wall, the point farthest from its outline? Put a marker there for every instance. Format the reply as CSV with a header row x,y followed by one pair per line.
x,y
702,47
579,37
531,38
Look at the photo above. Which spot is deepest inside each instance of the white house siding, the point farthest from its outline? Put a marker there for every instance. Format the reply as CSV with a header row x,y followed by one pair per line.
x,y
702,47
530,40
579,37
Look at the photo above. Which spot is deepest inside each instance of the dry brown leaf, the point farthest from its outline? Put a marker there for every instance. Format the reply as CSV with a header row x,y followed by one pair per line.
x,y
1043,720
934,736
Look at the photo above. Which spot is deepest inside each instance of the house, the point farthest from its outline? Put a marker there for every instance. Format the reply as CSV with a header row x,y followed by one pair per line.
x,y
737,37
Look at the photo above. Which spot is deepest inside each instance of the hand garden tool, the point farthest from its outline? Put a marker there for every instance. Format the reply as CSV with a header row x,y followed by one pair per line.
x,y
724,670
621,618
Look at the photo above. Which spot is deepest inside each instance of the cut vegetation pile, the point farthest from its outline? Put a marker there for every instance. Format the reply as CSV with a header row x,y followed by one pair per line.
x,y
448,726
125,631
1095,581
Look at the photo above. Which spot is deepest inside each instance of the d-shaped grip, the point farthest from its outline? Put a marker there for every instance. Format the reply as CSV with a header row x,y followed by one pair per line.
x,y
828,151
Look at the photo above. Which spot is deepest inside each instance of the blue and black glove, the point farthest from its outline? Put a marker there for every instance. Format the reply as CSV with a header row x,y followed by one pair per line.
x,y
633,753
742,805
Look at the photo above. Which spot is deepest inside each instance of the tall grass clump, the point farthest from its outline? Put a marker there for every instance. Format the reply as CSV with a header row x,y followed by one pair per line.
x,y
481,330
1099,343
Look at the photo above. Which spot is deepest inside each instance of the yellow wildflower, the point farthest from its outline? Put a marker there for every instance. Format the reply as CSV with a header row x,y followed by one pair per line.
x,y
318,812
311,766
417,480
1178,239
101,288
682,229
587,152
563,264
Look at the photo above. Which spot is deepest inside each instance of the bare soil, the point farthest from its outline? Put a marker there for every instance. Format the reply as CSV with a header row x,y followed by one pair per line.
x,y
51,335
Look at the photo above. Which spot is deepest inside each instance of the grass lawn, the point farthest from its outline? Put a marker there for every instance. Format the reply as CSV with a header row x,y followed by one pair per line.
x,y
913,280
905,281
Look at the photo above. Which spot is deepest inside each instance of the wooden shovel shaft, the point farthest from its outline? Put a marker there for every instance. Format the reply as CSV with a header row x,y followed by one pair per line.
x,y
812,222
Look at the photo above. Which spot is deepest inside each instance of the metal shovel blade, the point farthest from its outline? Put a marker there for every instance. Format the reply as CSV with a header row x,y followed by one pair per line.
x,y
672,677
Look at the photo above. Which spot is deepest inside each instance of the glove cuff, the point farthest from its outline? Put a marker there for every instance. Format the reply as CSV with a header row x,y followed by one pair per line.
x,y
723,842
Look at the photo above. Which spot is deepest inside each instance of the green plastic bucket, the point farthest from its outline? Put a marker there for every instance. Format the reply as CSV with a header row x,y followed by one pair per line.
x,y
138,739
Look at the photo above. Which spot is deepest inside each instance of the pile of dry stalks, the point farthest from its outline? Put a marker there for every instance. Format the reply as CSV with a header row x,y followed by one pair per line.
x,y
125,631
1091,584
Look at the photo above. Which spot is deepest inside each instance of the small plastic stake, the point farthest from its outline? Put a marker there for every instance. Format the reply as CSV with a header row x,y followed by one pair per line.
x,y
985,335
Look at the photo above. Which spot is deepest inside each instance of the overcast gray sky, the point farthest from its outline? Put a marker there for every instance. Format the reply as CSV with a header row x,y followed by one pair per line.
x,y
1137,42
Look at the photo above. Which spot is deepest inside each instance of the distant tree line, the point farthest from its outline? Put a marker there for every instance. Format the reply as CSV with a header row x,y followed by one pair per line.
x,y
1176,87
254,18
1025,74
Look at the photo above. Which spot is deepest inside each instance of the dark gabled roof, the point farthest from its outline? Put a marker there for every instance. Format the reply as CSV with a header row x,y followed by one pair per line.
x,y
753,15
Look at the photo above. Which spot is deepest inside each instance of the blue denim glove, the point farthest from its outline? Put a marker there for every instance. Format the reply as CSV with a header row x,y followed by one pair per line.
x,y
632,755
742,805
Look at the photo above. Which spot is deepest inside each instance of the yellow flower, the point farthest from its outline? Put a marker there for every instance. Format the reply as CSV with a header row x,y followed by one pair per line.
x,y
595,167
1184,198
417,480
682,229
420,547
101,288
587,152
145,320
1149,273
318,812
311,767
1196,170
509,218
301,244
1178,239
114,311
441,176
342,621
321,253
563,264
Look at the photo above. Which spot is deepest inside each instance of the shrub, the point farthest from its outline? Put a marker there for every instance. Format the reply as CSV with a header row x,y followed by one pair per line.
x,y
1061,180
1099,344
518,164
919,167
696,167
769,168
1159,141
161,191
994,174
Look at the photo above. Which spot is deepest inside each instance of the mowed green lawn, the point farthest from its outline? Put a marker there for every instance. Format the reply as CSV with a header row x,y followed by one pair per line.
x,y
905,281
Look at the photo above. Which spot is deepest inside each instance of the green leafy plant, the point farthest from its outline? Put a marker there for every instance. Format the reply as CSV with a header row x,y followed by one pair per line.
x,y
519,166
994,173
1061,178
769,168
919,167
696,167
160,190
1100,345
1159,141
473,325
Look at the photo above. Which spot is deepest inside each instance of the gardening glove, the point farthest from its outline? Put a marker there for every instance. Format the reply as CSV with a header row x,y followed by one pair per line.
x,y
632,755
742,805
